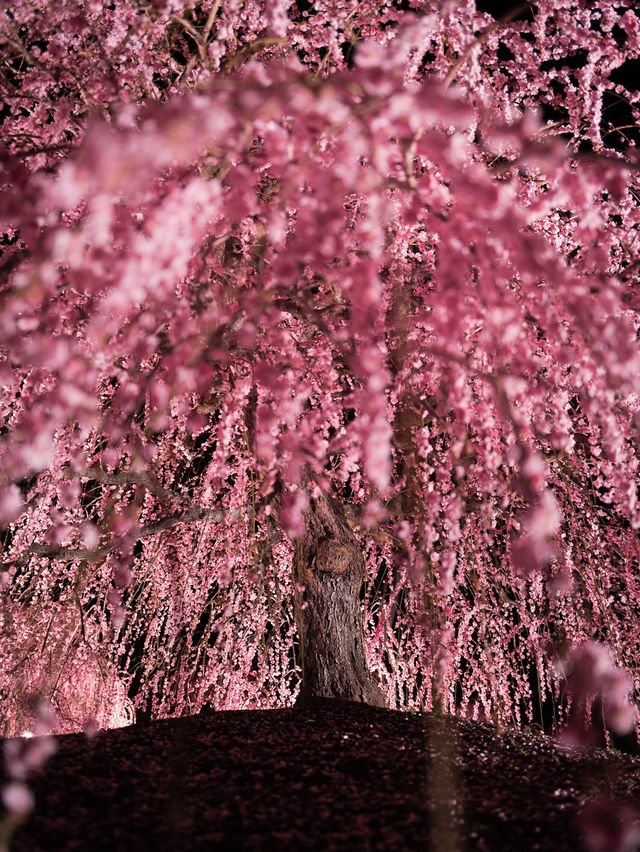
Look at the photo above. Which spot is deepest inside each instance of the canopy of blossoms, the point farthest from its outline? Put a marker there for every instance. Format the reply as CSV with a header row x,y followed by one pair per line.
x,y
251,253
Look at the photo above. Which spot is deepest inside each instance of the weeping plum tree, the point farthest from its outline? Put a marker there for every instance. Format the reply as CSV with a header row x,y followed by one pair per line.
x,y
319,357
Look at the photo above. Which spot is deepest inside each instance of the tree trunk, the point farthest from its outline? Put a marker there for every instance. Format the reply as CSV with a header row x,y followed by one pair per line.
x,y
330,565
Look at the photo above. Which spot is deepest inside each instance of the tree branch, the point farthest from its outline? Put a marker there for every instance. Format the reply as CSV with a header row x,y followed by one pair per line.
x,y
72,554
207,27
125,477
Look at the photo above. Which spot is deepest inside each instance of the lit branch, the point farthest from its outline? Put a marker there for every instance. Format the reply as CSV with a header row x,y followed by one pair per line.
x,y
72,554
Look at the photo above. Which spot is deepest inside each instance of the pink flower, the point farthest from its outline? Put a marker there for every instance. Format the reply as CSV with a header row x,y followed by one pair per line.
x,y
121,574
17,798
291,515
11,503
89,535
609,826
372,514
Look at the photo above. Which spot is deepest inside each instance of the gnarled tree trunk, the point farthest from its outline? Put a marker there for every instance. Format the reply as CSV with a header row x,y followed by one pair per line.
x,y
330,565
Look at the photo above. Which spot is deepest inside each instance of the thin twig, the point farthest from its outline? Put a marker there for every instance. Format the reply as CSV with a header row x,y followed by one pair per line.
x,y
207,27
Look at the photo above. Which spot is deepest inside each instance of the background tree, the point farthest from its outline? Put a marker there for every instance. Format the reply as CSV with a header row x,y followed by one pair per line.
x,y
355,274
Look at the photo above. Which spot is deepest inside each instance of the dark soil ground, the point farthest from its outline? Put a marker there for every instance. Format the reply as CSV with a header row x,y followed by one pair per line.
x,y
335,777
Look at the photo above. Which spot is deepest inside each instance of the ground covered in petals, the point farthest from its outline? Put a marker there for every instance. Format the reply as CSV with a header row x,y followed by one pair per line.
x,y
335,776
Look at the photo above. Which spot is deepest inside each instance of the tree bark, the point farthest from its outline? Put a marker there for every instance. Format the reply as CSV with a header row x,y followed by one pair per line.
x,y
330,565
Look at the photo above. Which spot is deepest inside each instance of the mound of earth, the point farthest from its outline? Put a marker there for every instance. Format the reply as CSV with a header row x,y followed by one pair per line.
x,y
332,777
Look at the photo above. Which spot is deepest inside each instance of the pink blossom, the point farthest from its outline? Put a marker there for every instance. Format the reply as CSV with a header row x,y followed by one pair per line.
x,y
17,798
11,503
589,671
372,514
89,535
291,515
609,826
